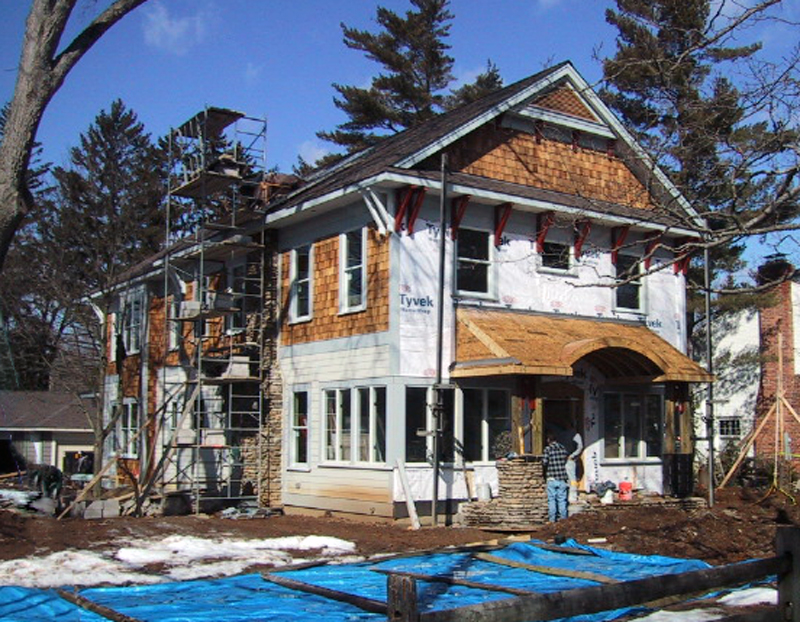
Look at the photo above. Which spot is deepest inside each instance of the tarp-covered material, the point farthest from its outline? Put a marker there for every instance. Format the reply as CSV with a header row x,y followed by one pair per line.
x,y
250,597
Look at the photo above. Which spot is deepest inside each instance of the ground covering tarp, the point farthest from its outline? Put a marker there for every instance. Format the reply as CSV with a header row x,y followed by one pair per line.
x,y
249,597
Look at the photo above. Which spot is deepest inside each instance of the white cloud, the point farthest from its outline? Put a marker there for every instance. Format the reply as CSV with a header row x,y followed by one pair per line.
x,y
173,34
252,73
311,151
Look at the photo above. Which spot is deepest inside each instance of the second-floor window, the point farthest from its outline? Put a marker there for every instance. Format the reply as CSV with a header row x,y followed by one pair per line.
x,y
352,270
132,321
128,428
556,256
473,262
301,283
628,293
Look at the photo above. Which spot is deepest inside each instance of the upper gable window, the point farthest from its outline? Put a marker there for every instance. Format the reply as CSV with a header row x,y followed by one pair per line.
x,y
352,270
556,256
301,283
628,293
473,261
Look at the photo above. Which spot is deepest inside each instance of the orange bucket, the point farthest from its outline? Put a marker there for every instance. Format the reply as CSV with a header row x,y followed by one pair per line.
x,y
625,491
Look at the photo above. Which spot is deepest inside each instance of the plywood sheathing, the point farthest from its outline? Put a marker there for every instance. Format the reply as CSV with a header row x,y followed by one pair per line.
x,y
327,322
564,99
492,342
514,156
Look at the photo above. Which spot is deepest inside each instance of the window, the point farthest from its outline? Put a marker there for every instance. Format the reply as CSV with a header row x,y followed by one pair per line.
x,y
301,284
371,442
132,321
299,455
338,422
352,272
556,256
127,428
416,419
730,427
632,425
473,261
628,295
487,424
175,326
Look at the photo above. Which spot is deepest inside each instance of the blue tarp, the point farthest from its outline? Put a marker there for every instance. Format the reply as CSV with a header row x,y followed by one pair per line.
x,y
248,598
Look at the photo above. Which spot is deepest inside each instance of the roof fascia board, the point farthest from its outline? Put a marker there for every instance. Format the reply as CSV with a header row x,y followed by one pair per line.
x,y
576,123
356,189
487,116
32,429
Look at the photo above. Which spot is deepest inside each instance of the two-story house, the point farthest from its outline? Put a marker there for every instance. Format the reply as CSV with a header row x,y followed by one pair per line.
x,y
555,286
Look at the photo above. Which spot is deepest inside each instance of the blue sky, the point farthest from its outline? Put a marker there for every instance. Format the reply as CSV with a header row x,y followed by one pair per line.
x,y
278,58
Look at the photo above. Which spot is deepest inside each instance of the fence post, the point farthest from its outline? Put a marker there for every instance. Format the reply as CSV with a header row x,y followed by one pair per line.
x,y
402,599
787,542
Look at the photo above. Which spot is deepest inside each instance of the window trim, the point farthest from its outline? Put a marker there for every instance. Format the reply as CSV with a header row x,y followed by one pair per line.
x,y
126,432
733,419
294,283
295,430
372,432
491,281
642,309
570,270
344,270
126,324
350,436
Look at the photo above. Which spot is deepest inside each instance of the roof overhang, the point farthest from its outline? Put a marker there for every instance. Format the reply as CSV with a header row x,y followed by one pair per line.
x,y
397,178
496,342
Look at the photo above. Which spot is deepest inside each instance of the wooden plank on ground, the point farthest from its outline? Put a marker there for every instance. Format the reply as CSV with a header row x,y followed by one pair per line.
x,y
549,570
85,603
567,550
438,578
410,505
367,604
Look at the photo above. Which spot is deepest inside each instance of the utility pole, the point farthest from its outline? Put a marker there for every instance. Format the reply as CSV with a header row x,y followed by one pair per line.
x,y
439,406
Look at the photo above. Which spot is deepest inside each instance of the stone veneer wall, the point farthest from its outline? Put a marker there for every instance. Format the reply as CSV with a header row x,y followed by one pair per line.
x,y
522,498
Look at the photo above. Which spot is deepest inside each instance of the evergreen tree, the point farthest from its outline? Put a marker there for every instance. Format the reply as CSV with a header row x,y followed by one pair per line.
x,y
666,83
485,83
416,69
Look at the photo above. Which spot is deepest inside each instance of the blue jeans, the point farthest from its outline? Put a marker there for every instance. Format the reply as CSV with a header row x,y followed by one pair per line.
x,y
556,499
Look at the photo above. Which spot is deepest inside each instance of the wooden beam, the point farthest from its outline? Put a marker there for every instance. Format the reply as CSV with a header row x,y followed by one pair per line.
x,y
582,229
414,213
402,599
607,597
403,200
548,570
544,220
448,580
618,235
85,603
367,604
653,240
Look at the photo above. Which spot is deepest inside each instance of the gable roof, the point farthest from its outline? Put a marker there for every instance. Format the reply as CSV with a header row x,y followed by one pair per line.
x,y
409,148
44,410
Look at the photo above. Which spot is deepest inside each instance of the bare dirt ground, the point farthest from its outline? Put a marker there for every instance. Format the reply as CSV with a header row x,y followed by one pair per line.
x,y
741,525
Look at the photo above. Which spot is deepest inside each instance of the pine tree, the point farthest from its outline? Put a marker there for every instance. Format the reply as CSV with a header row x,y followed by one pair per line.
x,y
666,82
485,83
416,69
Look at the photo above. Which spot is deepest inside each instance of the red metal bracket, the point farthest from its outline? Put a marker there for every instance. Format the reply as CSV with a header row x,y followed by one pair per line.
x,y
457,211
544,220
409,202
681,264
538,132
582,229
611,147
653,240
502,213
618,235
576,139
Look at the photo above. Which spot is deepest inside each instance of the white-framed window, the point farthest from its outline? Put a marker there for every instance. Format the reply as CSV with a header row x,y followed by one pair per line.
x,y
300,436
486,424
730,427
353,270
338,425
132,320
371,426
175,327
420,418
301,279
556,256
632,425
416,422
629,293
127,428
474,251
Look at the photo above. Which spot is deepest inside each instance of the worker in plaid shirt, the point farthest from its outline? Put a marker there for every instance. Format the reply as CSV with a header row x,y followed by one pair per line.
x,y
555,463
